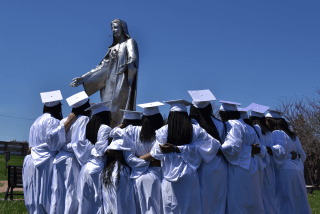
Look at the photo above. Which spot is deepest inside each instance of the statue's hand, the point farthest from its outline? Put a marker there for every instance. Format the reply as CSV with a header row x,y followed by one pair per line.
x,y
76,82
122,69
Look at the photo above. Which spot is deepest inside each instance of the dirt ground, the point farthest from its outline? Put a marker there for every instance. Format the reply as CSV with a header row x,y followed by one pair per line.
x,y
4,187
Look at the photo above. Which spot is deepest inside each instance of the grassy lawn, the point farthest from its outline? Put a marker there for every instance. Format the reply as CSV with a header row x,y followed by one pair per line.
x,y
14,161
314,201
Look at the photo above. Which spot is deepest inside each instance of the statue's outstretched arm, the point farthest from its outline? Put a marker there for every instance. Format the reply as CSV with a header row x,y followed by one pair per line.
x,y
80,80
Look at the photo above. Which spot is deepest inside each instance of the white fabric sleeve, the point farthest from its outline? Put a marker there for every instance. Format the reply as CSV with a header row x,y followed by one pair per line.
x,y
156,151
41,153
55,134
67,147
120,141
80,145
161,138
102,140
137,165
279,147
263,159
206,145
190,155
231,147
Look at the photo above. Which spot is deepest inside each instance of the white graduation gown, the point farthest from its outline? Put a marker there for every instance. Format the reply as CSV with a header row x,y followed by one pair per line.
x,y
66,169
28,173
268,175
180,184
89,188
146,180
213,174
244,192
122,199
291,192
47,137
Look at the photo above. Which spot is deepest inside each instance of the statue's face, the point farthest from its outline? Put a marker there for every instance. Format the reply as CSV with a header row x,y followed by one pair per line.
x,y
116,29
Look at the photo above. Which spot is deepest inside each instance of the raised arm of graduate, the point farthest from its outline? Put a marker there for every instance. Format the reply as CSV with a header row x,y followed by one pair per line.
x,y
206,145
138,166
147,157
81,146
232,145
71,118
55,134
279,147
120,141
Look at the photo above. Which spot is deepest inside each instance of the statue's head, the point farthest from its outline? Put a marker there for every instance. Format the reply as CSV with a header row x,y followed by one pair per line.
x,y
119,27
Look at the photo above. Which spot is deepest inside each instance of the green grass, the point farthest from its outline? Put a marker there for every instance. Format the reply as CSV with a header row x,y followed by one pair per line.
x,y
314,201
2,195
12,207
14,161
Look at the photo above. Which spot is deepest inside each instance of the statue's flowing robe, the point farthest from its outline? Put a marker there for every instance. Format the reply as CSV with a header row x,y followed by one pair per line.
x,y
120,89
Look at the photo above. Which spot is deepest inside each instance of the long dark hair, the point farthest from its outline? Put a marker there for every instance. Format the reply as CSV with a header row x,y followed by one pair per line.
x,y
109,168
81,110
180,129
203,117
229,115
280,124
55,111
127,122
261,122
111,162
94,124
149,126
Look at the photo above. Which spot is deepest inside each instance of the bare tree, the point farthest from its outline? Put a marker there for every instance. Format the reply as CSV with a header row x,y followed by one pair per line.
x,y
303,113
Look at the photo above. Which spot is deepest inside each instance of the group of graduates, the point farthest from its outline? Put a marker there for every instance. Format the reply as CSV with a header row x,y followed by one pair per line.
x,y
195,163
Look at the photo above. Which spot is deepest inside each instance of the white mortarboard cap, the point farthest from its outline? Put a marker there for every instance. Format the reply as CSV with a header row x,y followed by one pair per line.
x,y
98,107
229,106
178,105
201,98
274,114
243,113
51,98
151,108
257,110
131,115
78,99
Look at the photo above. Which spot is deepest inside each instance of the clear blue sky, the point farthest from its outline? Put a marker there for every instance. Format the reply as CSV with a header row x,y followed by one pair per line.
x,y
243,51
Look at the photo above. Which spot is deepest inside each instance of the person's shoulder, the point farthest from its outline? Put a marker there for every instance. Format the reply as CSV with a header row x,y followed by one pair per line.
x,y
132,42
162,130
104,129
132,129
279,134
48,118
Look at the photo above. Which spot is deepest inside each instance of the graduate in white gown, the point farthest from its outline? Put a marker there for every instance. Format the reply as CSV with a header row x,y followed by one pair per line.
x,y
240,149
180,184
66,167
146,175
291,192
268,175
118,191
28,172
46,137
213,169
89,187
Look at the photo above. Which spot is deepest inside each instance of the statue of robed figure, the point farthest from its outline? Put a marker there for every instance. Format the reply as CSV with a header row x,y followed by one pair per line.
x,y
117,74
